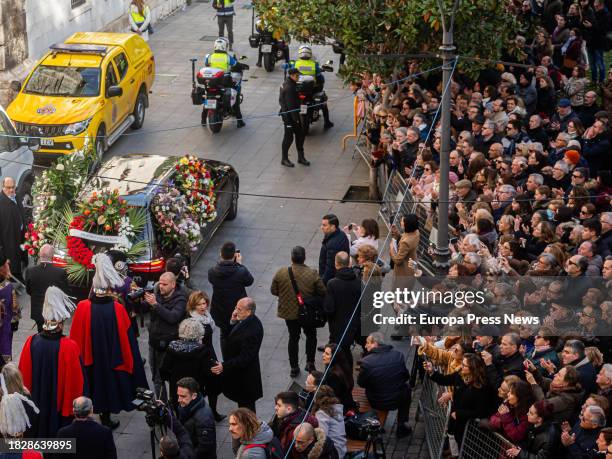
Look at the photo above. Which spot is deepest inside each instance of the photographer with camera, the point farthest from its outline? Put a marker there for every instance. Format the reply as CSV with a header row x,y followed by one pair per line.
x,y
177,265
197,418
229,278
167,306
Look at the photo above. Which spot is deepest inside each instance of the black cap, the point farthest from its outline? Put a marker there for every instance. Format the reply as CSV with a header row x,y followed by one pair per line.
x,y
293,71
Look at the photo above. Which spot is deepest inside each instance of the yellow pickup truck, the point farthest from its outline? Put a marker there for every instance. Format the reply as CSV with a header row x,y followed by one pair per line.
x,y
93,86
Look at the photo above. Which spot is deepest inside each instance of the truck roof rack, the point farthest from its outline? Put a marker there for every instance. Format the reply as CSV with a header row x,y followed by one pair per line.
x,y
82,48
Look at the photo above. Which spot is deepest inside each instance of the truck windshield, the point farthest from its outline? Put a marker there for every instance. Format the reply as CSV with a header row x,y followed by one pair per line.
x,y
50,80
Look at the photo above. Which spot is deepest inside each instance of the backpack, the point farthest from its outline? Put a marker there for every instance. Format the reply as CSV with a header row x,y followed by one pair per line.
x,y
273,449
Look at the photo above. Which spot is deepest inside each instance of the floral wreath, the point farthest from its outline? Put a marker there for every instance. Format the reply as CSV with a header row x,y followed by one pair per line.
x,y
102,218
194,181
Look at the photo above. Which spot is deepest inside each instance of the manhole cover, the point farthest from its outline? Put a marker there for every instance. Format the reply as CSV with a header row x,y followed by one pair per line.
x,y
209,38
357,193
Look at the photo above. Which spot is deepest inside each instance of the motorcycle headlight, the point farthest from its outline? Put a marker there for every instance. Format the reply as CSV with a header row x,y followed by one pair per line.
x,y
77,128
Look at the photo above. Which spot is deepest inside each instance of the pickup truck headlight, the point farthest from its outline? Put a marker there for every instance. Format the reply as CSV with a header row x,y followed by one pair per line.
x,y
77,128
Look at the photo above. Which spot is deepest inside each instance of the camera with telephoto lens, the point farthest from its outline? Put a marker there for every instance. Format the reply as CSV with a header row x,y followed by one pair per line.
x,y
154,409
370,426
140,292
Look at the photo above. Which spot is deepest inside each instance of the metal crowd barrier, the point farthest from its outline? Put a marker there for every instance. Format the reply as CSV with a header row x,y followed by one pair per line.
x,y
435,417
481,443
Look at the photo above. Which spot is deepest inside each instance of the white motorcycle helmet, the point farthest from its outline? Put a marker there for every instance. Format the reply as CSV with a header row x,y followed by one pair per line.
x,y
305,52
221,45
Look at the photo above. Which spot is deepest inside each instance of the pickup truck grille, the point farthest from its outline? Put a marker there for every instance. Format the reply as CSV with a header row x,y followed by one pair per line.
x,y
40,130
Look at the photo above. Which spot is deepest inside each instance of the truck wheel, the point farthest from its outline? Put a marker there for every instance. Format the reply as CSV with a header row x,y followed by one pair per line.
x,y
100,148
139,110
24,196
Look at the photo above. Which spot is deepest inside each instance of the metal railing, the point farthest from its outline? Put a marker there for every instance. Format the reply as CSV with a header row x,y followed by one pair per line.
x,y
435,417
479,443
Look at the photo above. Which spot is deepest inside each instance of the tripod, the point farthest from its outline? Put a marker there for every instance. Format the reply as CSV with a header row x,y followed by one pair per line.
x,y
374,444
152,437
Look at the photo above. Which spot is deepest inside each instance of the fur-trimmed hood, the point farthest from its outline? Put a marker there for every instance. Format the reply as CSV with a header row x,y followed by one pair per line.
x,y
319,444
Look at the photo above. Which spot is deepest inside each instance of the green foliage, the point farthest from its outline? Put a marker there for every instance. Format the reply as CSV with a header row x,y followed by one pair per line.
x,y
482,27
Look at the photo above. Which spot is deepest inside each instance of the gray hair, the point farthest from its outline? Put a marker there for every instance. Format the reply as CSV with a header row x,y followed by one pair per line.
x,y
607,369
377,337
306,427
402,129
472,240
46,253
549,259
473,258
520,159
576,346
563,166
509,219
537,178
343,259
191,330
508,189
489,124
82,406
537,145
565,136
414,130
599,415
514,338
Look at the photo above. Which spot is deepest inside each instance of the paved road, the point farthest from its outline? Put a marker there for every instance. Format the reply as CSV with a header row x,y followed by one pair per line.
x,y
266,228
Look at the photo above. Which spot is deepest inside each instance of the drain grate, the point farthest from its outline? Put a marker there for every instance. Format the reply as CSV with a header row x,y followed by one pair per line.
x,y
209,38
357,193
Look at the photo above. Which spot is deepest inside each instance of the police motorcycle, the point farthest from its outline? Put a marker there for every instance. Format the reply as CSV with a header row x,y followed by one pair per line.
x,y
270,48
217,91
310,91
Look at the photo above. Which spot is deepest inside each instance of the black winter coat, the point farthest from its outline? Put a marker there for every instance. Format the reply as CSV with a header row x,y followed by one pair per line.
x,y
198,420
469,402
229,280
241,371
341,299
332,244
37,279
541,442
93,441
165,318
289,102
12,231
383,375
505,366
187,358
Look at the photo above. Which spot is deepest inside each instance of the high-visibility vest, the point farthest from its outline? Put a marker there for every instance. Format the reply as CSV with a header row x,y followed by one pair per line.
x,y
137,17
306,67
219,61
225,8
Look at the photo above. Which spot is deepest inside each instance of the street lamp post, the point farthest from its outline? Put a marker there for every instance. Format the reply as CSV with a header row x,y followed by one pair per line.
x,y
442,253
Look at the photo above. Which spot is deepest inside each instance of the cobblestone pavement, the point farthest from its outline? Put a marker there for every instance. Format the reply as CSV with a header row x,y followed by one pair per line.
x,y
266,228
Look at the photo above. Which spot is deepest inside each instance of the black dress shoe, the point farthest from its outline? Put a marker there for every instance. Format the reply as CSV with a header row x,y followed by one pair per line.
x,y
286,162
304,161
403,431
240,124
219,417
328,125
294,372
106,420
310,366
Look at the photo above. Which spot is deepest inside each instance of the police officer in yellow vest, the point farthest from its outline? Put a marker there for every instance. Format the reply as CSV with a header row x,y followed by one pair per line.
x,y
220,59
225,18
306,65
140,18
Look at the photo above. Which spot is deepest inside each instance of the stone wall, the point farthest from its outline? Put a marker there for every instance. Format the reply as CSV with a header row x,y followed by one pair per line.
x,y
33,25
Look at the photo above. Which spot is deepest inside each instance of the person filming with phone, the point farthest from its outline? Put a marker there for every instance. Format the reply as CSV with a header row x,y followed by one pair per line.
x,y
229,278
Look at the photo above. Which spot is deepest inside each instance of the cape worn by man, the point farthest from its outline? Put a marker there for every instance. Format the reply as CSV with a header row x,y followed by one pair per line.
x,y
51,367
102,329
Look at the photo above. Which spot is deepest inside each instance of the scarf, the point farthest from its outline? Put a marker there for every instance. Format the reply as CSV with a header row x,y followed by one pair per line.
x,y
566,45
205,319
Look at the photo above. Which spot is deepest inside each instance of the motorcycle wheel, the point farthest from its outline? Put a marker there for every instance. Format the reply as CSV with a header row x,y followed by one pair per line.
x,y
268,62
215,121
305,120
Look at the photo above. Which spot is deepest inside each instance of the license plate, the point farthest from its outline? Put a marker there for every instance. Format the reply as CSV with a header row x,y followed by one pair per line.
x,y
303,109
210,103
266,48
46,142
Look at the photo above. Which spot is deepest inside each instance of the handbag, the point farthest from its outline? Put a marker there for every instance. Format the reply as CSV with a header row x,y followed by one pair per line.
x,y
310,309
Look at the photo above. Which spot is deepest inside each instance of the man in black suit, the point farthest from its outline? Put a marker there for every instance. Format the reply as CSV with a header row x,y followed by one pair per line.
x,y
93,441
40,277
240,369
12,226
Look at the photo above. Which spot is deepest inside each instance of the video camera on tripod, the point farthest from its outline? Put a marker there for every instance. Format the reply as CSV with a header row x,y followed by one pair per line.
x,y
155,410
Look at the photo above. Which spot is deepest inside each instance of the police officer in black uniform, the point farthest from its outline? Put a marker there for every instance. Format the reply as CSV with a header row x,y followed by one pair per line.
x,y
290,112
